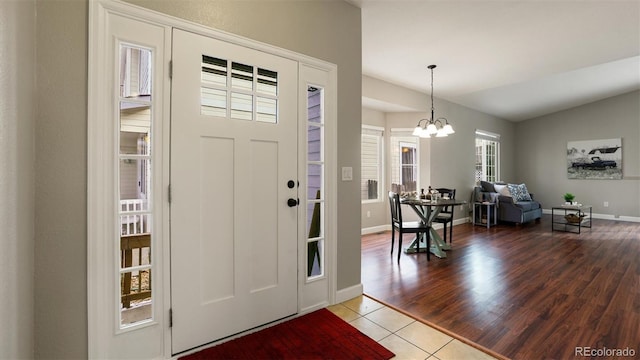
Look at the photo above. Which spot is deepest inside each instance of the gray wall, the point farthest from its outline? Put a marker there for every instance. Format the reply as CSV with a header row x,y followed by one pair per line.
x,y
17,172
541,151
444,162
532,152
61,186
329,30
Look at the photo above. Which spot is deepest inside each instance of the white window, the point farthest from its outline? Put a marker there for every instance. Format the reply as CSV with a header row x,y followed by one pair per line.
x,y
315,183
135,211
404,160
371,163
240,91
487,156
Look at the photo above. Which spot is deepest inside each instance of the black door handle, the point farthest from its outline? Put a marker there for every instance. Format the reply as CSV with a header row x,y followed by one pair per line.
x,y
292,202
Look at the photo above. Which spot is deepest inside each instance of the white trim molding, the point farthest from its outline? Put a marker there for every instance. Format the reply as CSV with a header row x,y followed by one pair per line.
x,y
105,340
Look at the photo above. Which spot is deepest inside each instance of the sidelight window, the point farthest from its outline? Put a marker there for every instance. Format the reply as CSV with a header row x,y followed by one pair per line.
x,y
134,207
315,184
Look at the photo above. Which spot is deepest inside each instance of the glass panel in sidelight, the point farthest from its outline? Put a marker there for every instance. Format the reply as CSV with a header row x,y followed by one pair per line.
x,y
314,220
135,297
315,258
134,210
314,143
314,104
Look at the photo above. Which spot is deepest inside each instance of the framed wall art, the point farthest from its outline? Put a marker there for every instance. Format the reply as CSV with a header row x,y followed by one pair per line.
x,y
595,159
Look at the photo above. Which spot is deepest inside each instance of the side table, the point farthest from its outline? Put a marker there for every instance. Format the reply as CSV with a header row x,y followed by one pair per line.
x,y
490,210
560,223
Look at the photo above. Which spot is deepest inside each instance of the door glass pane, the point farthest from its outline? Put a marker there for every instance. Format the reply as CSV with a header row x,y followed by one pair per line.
x,y
315,184
134,209
314,105
266,109
213,102
214,71
314,143
267,82
241,106
242,77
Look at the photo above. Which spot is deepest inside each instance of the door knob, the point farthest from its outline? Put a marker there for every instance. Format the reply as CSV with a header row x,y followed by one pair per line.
x,y
292,202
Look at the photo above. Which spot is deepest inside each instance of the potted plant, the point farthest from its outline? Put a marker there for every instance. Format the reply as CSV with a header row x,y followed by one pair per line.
x,y
568,198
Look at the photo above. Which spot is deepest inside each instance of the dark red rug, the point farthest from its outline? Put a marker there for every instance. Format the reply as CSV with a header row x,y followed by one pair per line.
x,y
318,335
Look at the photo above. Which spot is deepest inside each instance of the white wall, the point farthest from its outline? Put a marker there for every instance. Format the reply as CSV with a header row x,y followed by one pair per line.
x,y
17,118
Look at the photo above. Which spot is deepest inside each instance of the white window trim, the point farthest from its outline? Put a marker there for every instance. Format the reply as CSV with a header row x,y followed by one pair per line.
x,y
100,179
378,132
490,136
404,132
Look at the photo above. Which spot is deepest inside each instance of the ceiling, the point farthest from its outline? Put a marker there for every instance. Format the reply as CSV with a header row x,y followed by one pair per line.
x,y
513,59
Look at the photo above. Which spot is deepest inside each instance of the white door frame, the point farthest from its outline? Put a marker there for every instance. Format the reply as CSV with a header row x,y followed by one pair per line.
x,y
104,339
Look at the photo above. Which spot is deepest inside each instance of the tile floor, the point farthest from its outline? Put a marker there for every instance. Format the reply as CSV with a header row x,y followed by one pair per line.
x,y
404,336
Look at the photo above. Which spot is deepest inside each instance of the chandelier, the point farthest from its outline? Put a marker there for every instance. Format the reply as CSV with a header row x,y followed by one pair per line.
x,y
439,127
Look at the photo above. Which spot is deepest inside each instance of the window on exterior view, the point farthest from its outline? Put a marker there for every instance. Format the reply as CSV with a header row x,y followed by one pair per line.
x,y
371,163
135,213
404,162
487,156
315,183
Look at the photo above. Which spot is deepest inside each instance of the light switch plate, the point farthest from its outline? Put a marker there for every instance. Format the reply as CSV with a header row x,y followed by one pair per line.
x,y
347,173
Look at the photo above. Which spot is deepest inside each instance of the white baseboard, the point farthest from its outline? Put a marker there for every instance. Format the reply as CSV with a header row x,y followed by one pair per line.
x,y
387,227
375,229
349,293
605,216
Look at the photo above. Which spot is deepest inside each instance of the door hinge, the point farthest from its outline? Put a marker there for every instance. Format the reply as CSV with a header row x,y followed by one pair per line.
x,y
170,317
169,193
170,69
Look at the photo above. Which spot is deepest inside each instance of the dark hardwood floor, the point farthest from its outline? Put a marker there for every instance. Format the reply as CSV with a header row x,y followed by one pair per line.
x,y
522,291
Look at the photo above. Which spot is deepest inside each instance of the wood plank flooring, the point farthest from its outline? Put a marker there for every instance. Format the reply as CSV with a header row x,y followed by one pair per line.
x,y
522,291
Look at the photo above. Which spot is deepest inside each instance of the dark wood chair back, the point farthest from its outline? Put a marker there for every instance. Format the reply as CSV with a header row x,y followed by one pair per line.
x,y
446,215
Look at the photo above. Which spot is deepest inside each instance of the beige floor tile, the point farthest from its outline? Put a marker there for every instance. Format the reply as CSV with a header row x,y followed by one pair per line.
x,y
458,350
343,312
402,348
389,319
424,337
369,328
362,305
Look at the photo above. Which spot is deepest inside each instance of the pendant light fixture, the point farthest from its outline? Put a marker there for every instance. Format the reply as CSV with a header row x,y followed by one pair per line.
x,y
439,127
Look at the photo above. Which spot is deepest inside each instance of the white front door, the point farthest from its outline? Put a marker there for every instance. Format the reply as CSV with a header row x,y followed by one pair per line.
x,y
233,154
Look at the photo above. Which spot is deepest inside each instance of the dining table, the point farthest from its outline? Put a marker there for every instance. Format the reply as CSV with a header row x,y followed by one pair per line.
x,y
428,210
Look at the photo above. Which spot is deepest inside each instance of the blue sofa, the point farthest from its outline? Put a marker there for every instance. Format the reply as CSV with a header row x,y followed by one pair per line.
x,y
514,202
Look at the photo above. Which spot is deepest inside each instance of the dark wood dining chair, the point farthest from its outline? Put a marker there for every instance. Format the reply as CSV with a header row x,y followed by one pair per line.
x,y
446,215
404,227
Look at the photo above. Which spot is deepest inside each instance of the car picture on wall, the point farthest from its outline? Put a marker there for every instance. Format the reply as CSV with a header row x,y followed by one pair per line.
x,y
594,159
